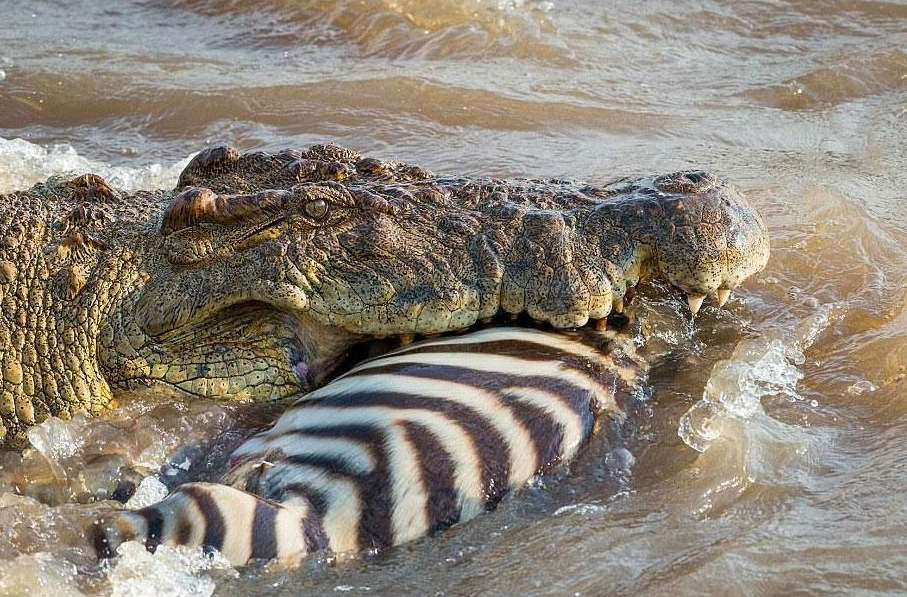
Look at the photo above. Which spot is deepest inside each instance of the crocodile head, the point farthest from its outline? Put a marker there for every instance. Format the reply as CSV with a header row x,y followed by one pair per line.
x,y
261,292
256,276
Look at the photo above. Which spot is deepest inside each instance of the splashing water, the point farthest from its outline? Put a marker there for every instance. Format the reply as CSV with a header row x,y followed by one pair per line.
x,y
169,571
86,459
51,492
759,367
751,445
26,164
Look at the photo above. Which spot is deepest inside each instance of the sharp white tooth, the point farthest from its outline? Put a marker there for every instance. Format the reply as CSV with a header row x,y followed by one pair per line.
x,y
723,295
695,301
618,305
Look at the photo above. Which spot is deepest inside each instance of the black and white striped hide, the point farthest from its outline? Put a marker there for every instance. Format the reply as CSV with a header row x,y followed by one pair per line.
x,y
402,445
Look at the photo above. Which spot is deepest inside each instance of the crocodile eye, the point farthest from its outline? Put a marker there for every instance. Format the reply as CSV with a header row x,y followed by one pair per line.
x,y
316,209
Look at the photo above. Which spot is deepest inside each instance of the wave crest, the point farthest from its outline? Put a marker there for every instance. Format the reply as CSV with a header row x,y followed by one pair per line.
x,y
23,164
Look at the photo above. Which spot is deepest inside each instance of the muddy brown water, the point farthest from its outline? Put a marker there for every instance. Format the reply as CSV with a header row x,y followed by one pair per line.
x,y
793,396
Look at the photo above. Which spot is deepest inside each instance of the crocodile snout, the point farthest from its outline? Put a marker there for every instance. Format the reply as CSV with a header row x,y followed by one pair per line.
x,y
713,239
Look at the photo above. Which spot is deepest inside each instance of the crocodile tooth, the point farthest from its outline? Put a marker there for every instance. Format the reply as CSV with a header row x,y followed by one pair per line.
x,y
601,324
723,295
406,339
695,301
513,316
618,305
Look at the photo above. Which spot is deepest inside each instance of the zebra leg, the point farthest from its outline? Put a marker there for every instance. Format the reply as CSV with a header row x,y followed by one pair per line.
x,y
242,526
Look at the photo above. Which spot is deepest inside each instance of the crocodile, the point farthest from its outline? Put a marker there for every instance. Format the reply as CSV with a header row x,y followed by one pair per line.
x,y
255,276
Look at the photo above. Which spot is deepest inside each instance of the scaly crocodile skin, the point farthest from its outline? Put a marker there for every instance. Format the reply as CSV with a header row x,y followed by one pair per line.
x,y
253,278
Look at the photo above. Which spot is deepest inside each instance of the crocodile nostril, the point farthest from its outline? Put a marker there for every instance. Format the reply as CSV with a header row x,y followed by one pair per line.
x,y
695,177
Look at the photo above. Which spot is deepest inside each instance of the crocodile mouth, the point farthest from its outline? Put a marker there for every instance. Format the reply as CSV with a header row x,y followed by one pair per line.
x,y
260,350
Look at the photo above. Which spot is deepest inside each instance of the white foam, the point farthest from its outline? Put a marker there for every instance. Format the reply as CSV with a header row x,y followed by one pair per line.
x,y
150,491
168,572
52,549
582,509
57,439
22,164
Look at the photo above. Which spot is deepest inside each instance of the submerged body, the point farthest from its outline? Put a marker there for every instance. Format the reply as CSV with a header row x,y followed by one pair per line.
x,y
401,446
255,276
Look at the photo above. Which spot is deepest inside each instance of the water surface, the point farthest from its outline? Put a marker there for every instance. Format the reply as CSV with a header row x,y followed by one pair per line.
x,y
795,393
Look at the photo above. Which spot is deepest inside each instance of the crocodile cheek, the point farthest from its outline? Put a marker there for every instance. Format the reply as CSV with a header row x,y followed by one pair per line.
x,y
247,353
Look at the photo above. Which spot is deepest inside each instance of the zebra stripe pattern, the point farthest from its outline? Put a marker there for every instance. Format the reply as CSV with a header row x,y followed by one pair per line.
x,y
402,445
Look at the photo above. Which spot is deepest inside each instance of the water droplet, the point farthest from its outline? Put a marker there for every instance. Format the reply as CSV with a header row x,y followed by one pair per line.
x,y
862,387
